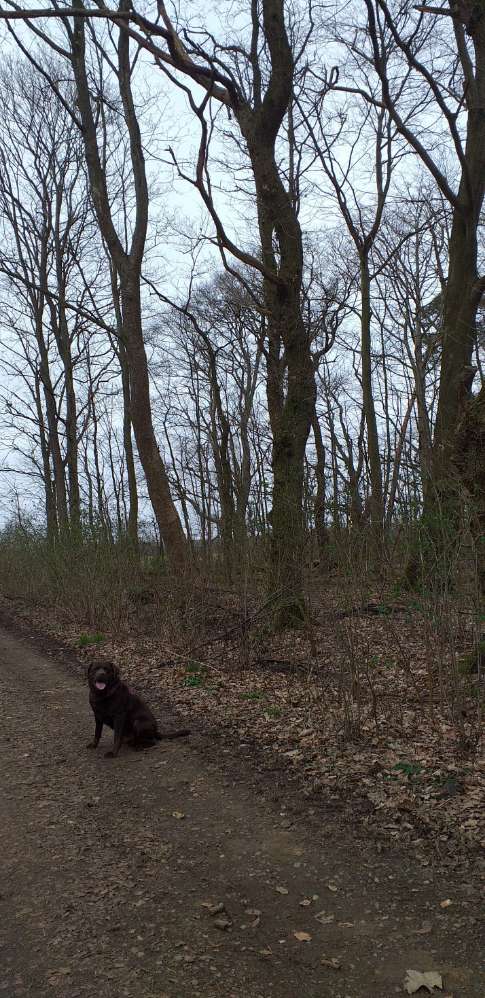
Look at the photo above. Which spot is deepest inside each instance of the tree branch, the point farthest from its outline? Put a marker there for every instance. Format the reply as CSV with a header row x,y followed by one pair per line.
x,y
408,134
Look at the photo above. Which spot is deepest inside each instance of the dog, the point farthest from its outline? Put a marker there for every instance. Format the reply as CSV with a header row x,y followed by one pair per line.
x,y
114,704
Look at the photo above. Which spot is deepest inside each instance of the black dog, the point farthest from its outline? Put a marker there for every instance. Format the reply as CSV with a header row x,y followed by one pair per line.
x,y
114,704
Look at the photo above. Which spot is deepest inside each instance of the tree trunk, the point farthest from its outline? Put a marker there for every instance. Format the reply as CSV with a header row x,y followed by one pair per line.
x,y
243,467
458,339
469,462
60,329
166,514
128,266
220,438
320,497
120,349
394,482
376,503
462,296
61,333
71,441
423,420
442,488
100,522
50,499
132,525
53,429
90,489
290,425
290,411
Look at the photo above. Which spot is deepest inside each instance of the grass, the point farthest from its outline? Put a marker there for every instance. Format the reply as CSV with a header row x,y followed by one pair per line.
x,y
274,712
85,640
88,577
408,768
196,675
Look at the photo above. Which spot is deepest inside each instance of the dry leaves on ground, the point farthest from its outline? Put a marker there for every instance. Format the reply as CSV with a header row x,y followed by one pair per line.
x,y
417,979
358,713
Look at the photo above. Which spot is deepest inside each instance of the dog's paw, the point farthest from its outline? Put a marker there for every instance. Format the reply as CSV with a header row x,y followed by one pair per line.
x,y
109,755
92,745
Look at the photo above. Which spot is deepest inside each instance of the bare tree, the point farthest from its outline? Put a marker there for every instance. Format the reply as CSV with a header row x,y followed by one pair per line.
x,y
46,221
218,342
409,262
455,87
126,260
337,130
256,84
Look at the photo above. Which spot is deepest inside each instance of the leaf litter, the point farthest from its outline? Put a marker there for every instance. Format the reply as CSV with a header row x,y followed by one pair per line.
x,y
417,979
351,710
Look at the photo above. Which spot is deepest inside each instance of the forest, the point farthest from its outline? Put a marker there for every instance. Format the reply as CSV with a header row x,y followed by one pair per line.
x,y
242,403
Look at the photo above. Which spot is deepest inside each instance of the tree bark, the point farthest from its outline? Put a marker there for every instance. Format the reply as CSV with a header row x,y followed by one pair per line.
x,y
376,502
463,289
220,438
53,428
458,338
158,486
469,450
71,457
49,488
128,266
61,332
290,411
120,350
442,501
132,523
319,508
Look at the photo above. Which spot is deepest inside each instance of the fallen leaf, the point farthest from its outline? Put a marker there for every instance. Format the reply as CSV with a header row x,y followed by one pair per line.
x,y
416,979
446,904
333,963
213,909
332,887
256,914
305,903
323,918
281,890
178,814
303,937
425,929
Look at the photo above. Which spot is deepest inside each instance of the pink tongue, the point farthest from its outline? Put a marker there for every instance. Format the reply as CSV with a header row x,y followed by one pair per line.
x,y
100,686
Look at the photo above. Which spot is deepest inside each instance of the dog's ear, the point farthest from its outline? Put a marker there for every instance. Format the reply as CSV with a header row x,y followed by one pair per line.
x,y
90,669
114,670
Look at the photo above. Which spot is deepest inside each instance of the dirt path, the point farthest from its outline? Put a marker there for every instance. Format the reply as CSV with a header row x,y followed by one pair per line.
x,y
107,866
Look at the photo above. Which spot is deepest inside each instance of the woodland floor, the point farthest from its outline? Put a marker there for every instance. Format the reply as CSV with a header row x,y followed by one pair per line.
x,y
365,716
184,870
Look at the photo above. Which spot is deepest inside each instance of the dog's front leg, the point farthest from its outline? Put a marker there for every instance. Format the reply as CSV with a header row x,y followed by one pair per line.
x,y
118,726
97,734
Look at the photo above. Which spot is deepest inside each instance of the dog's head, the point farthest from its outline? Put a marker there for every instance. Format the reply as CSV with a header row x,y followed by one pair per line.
x,y
103,677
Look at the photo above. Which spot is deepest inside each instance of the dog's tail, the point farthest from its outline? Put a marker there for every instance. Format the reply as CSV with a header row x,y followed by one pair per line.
x,y
178,733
